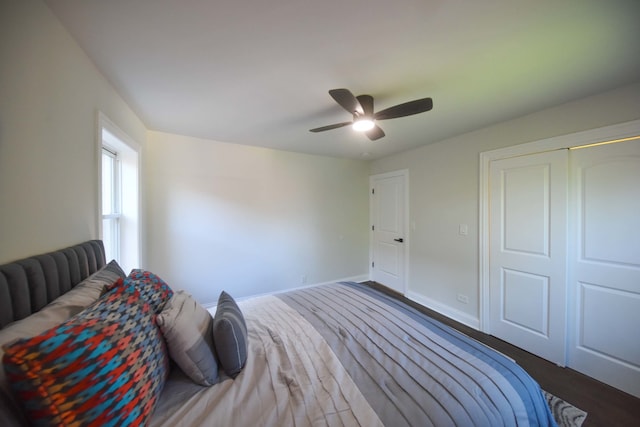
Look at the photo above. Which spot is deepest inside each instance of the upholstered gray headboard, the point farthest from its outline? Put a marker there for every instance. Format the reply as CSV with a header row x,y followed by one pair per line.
x,y
29,284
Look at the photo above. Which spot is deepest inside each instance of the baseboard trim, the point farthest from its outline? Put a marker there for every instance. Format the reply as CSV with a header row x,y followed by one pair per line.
x,y
457,315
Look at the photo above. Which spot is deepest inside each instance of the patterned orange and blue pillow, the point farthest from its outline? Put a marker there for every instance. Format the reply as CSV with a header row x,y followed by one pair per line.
x,y
105,366
155,291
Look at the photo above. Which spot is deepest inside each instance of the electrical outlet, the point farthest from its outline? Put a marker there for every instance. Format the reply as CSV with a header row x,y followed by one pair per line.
x,y
463,299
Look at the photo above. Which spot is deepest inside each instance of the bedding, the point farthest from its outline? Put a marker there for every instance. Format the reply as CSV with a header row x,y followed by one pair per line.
x,y
341,354
345,354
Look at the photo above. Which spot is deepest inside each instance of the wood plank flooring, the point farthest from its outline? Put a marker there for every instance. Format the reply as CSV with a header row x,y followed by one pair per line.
x,y
605,405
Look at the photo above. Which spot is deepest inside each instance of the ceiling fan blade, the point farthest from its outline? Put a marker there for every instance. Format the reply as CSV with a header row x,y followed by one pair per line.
x,y
406,109
345,98
329,127
375,133
366,102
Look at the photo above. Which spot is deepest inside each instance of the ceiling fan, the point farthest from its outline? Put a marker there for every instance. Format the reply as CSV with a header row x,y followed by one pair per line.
x,y
364,118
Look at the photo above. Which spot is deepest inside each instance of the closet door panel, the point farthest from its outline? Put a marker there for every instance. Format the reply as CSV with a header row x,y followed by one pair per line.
x,y
605,264
527,283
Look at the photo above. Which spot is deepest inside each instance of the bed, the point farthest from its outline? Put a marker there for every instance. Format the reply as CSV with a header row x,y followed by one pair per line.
x,y
341,354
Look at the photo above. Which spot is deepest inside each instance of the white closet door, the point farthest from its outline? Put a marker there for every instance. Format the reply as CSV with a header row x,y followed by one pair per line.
x,y
527,283
605,264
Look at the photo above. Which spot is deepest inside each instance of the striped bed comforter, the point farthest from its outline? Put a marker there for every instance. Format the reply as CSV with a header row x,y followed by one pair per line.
x,y
347,355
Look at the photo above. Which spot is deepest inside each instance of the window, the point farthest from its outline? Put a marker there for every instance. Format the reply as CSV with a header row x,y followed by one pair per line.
x,y
111,203
120,200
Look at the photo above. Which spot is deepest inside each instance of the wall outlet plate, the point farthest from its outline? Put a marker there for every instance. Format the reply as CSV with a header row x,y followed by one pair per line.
x,y
463,299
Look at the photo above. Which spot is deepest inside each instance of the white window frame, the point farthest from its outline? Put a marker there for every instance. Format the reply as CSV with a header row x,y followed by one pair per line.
x,y
128,153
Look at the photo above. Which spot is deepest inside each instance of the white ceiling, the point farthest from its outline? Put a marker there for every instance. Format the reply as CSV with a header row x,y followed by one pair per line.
x,y
258,72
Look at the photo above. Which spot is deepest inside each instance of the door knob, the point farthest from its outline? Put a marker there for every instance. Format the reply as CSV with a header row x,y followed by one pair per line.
x,y
400,240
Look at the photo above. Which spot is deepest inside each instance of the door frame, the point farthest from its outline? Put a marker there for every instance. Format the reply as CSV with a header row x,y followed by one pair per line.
x,y
572,140
404,173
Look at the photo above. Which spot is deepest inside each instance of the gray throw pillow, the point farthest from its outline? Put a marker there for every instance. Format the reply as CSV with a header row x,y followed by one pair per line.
x,y
187,329
106,276
88,291
230,335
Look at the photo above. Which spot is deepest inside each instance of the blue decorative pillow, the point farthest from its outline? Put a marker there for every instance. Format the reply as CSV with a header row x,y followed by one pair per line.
x,y
230,335
106,365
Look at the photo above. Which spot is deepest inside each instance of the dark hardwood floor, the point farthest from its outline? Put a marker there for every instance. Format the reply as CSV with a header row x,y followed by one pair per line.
x,y
605,405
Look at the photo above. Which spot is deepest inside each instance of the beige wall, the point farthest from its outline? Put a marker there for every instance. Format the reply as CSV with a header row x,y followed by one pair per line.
x,y
443,183
251,220
49,95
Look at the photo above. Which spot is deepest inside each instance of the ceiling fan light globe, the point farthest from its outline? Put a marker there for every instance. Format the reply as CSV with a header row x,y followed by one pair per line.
x,y
363,125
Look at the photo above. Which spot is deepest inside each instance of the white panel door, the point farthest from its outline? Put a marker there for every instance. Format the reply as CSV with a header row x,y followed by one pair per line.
x,y
605,264
388,230
527,266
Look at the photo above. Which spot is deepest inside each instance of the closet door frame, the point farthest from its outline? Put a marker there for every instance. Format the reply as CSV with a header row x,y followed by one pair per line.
x,y
593,136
